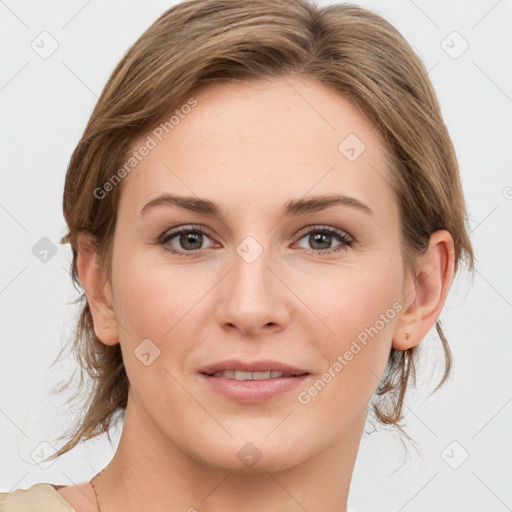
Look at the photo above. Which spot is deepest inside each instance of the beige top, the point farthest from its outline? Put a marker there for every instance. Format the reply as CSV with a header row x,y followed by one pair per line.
x,y
38,498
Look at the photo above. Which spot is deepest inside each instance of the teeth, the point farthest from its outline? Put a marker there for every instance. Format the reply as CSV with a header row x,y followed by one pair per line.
x,y
241,375
260,375
230,374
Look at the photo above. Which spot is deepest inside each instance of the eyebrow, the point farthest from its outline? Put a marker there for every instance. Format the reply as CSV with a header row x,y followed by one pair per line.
x,y
293,207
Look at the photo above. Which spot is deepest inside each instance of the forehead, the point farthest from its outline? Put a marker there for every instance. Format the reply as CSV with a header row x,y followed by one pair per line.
x,y
244,144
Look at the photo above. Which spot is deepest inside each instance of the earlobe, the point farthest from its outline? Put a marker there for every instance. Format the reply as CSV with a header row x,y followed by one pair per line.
x,y
427,293
97,290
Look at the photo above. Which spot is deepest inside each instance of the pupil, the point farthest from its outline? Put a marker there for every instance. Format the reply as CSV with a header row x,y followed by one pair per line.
x,y
192,238
321,238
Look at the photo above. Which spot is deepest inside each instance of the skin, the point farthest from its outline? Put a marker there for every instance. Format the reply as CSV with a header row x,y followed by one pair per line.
x,y
252,148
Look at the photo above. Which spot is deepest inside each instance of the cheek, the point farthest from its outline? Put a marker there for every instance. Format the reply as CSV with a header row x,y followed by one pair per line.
x,y
361,310
355,297
155,306
155,299
360,305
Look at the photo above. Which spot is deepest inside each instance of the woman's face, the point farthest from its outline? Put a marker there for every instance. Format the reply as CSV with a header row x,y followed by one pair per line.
x,y
276,273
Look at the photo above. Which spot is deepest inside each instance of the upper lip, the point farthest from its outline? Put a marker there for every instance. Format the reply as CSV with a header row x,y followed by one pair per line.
x,y
254,366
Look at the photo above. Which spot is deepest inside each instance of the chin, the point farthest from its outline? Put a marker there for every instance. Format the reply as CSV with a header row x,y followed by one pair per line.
x,y
254,457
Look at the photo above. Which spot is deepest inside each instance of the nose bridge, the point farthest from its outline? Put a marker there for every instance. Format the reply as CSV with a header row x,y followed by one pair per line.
x,y
251,298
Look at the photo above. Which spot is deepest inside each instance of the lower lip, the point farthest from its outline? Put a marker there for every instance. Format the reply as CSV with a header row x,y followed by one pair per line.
x,y
253,391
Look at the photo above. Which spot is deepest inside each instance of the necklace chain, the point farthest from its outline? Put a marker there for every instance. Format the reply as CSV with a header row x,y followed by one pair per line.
x,y
95,491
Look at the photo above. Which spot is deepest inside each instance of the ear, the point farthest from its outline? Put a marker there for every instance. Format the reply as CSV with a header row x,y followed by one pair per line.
x,y
97,290
425,294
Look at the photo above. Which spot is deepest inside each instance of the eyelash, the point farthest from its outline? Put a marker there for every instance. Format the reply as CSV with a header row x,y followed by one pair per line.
x,y
345,239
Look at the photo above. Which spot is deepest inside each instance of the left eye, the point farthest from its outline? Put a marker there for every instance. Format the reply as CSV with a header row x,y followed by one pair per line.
x,y
320,239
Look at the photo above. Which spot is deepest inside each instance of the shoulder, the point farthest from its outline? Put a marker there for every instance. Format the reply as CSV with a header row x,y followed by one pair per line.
x,y
41,497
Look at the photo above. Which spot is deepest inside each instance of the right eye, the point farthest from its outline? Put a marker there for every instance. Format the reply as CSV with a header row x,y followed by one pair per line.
x,y
184,241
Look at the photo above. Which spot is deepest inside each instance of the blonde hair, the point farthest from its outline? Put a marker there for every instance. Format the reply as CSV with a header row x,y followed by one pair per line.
x,y
196,43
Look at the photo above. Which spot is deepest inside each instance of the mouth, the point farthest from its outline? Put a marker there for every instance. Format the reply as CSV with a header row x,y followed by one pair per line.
x,y
243,375
255,370
252,382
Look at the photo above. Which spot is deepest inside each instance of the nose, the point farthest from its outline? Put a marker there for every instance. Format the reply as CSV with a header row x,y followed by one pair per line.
x,y
253,298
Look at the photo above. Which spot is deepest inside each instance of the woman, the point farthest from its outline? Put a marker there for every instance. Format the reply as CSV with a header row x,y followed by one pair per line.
x,y
266,216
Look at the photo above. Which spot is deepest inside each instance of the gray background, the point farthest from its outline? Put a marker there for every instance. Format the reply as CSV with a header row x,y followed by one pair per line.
x,y
45,104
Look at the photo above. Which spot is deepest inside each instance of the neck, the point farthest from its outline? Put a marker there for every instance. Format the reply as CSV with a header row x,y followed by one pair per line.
x,y
149,472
